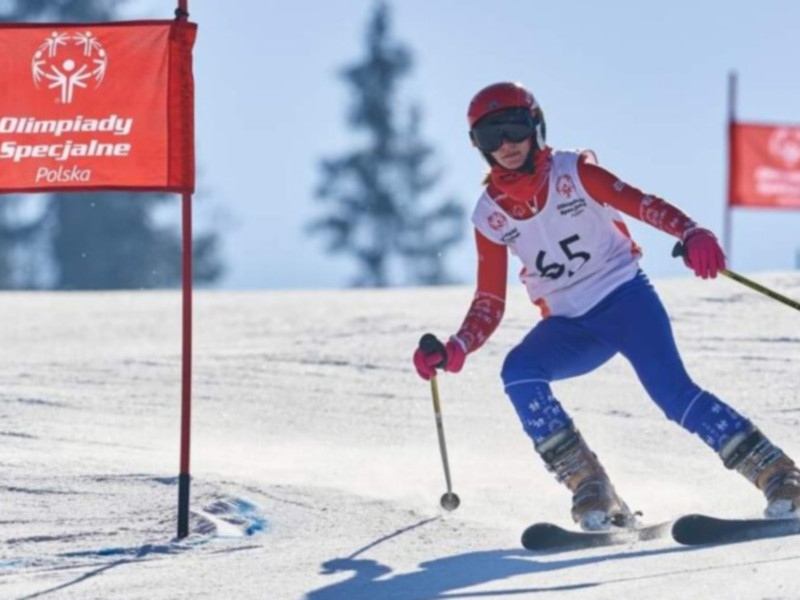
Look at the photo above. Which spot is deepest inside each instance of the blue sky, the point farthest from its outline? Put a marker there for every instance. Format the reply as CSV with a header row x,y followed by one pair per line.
x,y
643,84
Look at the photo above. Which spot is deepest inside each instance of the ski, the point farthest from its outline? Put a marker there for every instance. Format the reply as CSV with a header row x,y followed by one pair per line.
x,y
550,538
697,530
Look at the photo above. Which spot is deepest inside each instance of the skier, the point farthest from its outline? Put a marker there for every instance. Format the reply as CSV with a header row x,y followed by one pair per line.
x,y
557,211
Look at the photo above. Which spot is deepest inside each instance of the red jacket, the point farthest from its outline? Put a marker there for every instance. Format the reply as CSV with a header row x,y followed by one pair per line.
x,y
486,310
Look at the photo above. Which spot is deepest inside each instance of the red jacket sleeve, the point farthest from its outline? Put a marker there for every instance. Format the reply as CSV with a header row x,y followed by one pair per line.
x,y
608,188
488,305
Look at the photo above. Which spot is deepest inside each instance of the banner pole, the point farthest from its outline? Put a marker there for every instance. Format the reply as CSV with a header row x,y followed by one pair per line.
x,y
184,477
727,241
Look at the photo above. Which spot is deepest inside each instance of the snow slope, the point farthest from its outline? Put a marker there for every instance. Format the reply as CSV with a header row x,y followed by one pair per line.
x,y
315,463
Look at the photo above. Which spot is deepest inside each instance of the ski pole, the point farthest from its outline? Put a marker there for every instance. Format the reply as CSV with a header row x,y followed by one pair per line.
x,y
449,500
760,288
678,251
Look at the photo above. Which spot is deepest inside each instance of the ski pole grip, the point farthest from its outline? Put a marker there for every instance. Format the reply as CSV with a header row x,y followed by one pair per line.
x,y
679,250
430,344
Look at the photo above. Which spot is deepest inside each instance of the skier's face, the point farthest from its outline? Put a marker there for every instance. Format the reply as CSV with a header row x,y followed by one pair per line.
x,y
512,155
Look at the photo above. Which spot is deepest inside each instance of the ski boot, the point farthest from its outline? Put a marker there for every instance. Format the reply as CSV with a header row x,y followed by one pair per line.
x,y
765,465
595,504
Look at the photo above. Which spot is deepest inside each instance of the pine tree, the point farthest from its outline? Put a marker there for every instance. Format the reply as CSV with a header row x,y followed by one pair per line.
x,y
375,194
98,240
21,235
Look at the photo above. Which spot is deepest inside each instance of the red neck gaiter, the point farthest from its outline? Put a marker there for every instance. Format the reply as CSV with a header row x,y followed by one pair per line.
x,y
520,186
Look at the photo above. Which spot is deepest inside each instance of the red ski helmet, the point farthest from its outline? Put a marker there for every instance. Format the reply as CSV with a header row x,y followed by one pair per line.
x,y
500,96
507,96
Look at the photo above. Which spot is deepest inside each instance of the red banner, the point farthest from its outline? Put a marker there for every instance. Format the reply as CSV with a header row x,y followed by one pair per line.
x,y
97,106
764,166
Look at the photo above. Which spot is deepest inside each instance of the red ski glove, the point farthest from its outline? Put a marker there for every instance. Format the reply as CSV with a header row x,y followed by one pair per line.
x,y
702,253
432,354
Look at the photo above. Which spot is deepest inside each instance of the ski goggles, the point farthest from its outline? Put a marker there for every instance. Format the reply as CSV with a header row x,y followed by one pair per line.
x,y
515,126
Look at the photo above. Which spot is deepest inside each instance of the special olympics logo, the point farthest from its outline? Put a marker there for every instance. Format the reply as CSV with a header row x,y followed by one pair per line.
x,y
497,221
68,61
785,144
565,186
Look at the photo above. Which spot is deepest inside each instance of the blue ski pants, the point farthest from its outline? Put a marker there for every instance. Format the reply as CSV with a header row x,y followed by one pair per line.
x,y
631,321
